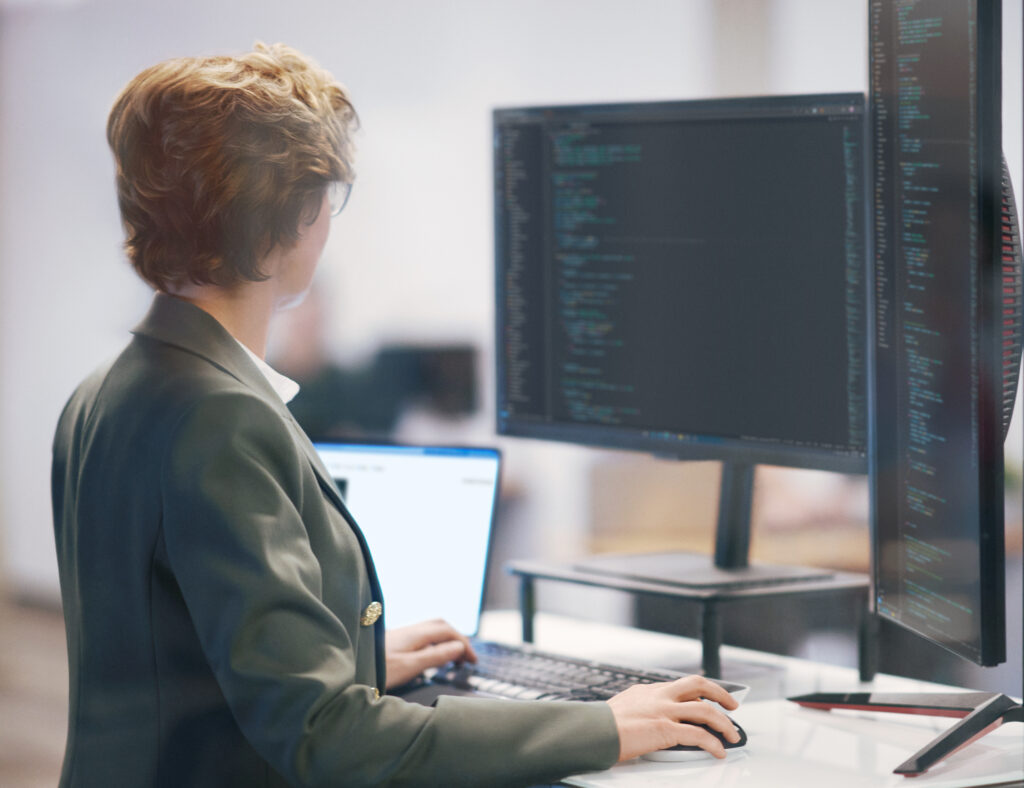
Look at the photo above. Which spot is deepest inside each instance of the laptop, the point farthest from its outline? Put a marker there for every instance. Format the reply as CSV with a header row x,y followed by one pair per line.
x,y
427,513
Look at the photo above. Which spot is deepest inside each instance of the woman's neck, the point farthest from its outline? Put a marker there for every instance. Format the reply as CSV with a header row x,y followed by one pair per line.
x,y
244,310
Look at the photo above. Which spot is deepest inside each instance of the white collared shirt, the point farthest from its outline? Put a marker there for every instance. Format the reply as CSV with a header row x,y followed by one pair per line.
x,y
285,387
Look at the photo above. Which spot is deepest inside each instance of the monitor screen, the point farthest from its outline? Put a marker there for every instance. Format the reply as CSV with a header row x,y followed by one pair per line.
x,y
685,278
937,476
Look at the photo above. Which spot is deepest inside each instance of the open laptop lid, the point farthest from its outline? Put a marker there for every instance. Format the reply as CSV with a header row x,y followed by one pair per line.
x,y
427,514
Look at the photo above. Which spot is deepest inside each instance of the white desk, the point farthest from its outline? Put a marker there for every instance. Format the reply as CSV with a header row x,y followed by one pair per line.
x,y
788,745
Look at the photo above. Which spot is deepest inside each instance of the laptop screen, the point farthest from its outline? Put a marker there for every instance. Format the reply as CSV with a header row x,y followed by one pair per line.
x,y
426,514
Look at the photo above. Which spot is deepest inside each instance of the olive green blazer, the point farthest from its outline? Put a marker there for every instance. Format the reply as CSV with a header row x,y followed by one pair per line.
x,y
214,586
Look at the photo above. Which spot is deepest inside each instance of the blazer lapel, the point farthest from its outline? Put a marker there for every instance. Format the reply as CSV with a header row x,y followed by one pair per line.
x,y
179,323
188,327
183,325
328,486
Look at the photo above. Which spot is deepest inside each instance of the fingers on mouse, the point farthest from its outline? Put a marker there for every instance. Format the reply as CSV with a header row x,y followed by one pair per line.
x,y
691,752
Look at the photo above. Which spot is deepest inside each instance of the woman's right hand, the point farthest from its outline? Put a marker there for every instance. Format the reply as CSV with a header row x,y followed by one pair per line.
x,y
656,716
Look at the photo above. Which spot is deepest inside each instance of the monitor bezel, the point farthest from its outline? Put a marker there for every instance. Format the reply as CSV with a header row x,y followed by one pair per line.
x,y
678,446
991,618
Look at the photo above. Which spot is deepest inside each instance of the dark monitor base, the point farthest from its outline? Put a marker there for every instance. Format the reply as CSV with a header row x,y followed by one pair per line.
x,y
695,570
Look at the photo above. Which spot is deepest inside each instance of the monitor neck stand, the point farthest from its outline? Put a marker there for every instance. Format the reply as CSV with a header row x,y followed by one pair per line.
x,y
730,569
980,713
735,501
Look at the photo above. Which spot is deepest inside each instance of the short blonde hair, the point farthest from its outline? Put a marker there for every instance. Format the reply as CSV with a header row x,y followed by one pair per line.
x,y
220,158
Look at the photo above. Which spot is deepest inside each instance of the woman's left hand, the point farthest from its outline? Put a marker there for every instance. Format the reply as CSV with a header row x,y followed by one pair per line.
x,y
430,644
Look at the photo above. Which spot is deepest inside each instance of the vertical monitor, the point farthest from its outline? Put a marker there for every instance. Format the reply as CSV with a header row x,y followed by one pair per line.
x,y
685,278
936,432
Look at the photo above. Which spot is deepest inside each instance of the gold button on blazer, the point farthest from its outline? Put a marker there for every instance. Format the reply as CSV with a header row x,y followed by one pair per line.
x,y
373,612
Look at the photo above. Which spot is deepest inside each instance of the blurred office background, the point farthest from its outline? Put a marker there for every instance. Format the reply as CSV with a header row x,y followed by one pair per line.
x,y
405,289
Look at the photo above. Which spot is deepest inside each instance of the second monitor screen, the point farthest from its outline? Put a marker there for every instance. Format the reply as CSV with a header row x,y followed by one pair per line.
x,y
685,277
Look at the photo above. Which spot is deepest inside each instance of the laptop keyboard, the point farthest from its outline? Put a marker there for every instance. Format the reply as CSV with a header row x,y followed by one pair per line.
x,y
527,674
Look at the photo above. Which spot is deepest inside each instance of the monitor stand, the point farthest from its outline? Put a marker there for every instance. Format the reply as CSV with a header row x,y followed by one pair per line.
x,y
980,713
731,568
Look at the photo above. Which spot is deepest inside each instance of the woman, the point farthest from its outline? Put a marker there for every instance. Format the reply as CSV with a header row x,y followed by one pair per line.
x,y
224,620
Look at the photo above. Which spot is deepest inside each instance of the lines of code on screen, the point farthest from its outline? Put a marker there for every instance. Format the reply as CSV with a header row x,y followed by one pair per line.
x,y
932,394
686,270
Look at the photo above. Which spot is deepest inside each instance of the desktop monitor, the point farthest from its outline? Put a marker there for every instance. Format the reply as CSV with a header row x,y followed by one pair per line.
x,y
940,334
687,278
945,351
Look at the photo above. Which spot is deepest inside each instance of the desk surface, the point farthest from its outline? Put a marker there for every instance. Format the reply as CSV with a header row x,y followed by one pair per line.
x,y
789,746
